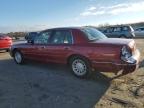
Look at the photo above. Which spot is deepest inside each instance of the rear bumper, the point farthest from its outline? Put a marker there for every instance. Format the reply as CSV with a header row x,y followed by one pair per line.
x,y
118,66
4,48
131,67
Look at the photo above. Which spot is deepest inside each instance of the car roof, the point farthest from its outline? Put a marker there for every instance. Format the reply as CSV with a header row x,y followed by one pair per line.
x,y
119,26
140,28
65,28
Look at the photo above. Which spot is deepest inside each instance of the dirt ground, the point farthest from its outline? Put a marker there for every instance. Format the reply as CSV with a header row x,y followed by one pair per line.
x,y
126,91
36,85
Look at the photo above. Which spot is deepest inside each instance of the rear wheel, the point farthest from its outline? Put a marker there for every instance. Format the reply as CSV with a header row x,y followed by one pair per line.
x,y
80,67
18,57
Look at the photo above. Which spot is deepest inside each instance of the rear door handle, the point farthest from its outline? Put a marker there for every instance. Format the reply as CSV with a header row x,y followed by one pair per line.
x,y
43,47
66,48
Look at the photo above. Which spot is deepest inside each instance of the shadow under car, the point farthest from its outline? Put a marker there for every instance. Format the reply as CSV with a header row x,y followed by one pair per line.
x,y
48,85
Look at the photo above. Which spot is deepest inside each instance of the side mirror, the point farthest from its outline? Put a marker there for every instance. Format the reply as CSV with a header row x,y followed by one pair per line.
x,y
30,41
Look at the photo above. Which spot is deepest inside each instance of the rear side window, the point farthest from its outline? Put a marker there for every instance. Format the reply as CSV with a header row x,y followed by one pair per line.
x,y
117,29
68,37
109,30
61,37
125,29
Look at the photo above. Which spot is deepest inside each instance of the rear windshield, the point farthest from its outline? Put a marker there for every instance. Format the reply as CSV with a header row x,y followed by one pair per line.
x,y
93,34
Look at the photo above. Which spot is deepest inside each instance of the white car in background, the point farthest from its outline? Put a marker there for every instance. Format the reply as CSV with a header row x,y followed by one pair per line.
x,y
139,32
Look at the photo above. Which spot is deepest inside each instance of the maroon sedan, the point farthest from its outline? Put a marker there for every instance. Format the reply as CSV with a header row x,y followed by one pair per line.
x,y
5,42
84,49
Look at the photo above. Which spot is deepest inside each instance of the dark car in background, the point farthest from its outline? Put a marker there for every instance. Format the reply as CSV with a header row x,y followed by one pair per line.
x,y
119,32
30,36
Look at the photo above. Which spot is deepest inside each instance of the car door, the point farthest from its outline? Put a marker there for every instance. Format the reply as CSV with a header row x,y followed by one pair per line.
x,y
60,46
39,49
141,32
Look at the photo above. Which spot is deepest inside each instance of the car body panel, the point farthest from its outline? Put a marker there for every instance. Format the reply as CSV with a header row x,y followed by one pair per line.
x,y
5,42
139,32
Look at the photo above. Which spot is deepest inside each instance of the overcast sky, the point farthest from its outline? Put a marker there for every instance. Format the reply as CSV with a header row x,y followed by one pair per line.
x,y
29,15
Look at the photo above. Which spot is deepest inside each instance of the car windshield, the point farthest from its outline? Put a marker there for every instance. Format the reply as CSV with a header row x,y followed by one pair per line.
x,y
93,34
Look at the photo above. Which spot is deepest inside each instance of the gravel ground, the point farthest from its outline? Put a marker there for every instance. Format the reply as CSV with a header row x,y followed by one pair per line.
x,y
126,91
37,85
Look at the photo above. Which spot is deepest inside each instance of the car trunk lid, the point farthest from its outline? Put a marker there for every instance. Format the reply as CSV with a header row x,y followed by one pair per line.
x,y
114,41
130,43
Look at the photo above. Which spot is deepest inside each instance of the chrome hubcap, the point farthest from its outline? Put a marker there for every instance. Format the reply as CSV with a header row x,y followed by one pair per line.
x,y
18,57
79,67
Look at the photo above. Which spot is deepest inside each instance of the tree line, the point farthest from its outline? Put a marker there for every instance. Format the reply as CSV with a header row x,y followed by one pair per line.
x,y
18,35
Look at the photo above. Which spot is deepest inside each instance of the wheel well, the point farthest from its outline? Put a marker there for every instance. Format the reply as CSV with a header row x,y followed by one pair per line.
x,y
13,51
122,35
77,55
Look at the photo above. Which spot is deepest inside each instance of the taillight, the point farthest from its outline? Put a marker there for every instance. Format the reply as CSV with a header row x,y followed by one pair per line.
x,y
126,55
5,38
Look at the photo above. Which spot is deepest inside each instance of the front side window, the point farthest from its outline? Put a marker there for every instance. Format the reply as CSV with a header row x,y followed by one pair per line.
x,y
61,37
93,34
42,38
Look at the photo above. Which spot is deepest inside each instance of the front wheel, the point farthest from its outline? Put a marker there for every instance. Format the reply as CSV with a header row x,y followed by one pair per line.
x,y
80,67
18,57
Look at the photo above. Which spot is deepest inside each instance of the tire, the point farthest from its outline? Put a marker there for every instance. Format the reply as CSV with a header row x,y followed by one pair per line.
x,y
80,67
18,57
7,50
